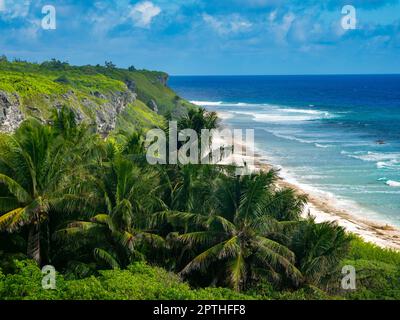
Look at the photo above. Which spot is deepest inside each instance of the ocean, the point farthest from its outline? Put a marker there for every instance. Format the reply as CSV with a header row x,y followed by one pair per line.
x,y
337,135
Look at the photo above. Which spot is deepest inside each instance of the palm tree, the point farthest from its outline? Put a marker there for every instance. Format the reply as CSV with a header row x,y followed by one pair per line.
x,y
128,195
132,143
198,119
189,188
37,176
233,245
81,138
319,249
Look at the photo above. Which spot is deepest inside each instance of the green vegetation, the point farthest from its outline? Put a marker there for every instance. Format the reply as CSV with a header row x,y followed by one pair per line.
x,y
151,85
378,271
137,282
137,116
238,241
39,88
115,227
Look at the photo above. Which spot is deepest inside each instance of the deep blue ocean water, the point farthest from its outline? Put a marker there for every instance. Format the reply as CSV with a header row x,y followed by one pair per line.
x,y
336,134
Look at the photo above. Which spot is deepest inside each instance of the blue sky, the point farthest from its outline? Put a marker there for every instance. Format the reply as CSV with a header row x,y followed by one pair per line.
x,y
208,37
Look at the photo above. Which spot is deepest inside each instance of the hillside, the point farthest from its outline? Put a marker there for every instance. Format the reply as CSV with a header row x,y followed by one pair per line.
x,y
107,96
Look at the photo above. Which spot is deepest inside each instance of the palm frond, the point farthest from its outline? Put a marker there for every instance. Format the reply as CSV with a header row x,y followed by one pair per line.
x,y
7,219
106,257
200,238
226,225
267,255
15,188
101,218
177,218
77,228
276,247
203,260
237,271
8,203
153,239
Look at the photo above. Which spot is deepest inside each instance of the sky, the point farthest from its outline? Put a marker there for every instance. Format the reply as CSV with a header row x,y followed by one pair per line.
x,y
207,37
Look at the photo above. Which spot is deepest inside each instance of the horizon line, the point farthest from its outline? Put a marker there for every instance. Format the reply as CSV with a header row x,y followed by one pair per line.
x,y
284,75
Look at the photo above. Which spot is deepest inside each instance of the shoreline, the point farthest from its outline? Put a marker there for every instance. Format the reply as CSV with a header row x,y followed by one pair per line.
x,y
381,234
322,209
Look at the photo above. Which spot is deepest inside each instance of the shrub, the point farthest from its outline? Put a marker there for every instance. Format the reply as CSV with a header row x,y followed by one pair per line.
x,y
377,271
139,282
63,79
368,251
26,284
374,280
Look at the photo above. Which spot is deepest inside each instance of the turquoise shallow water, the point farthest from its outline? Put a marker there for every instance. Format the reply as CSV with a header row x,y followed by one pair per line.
x,y
337,134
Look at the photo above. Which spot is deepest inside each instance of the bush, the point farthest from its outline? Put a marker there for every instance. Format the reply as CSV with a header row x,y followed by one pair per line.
x,y
85,289
377,271
63,79
139,282
374,280
26,284
264,290
368,251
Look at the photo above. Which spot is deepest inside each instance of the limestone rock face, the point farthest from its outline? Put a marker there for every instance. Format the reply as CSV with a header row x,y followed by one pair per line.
x,y
107,113
163,79
104,114
10,112
153,105
131,85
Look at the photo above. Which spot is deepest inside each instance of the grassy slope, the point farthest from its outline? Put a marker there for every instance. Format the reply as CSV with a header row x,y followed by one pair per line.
x,y
40,86
150,88
138,115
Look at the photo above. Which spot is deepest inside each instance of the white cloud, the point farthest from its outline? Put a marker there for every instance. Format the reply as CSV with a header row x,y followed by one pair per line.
x,y
280,26
272,16
14,9
28,27
143,13
227,25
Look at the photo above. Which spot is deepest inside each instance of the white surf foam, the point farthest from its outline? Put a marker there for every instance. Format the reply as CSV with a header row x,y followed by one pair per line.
x,y
285,136
392,183
392,164
284,118
206,103
227,104
271,113
324,146
273,117
383,160
305,111
225,115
